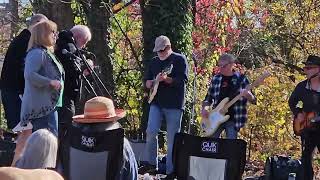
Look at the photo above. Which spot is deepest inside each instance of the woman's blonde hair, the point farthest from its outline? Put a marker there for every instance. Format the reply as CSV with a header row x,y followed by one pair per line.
x,y
41,32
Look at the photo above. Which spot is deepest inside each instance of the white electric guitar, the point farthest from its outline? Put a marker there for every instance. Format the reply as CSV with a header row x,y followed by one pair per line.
x,y
156,81
217,115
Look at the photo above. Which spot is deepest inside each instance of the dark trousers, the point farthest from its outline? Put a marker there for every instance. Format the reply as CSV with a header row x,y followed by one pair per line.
x,y
12,106
309,140
65,114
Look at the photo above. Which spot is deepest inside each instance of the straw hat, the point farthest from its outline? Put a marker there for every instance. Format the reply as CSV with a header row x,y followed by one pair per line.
x,y
99,109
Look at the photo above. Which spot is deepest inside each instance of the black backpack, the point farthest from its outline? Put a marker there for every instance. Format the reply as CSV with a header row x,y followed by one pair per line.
x,y
279,167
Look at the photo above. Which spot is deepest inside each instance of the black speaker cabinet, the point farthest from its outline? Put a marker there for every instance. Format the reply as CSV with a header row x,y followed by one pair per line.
x,y
203,158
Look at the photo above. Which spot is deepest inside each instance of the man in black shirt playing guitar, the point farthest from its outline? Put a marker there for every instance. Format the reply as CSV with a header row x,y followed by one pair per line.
x,y
304,103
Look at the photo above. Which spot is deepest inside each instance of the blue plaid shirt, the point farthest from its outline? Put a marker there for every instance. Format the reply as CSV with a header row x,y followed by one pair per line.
x,y
240,107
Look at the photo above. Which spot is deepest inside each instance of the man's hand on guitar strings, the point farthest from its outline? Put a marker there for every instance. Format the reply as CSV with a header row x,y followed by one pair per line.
x,y
161,77
204,113
149,84
300,117
247,94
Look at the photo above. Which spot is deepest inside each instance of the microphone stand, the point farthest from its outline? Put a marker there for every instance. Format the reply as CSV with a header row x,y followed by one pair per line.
x,y
86,80
93,74
194,92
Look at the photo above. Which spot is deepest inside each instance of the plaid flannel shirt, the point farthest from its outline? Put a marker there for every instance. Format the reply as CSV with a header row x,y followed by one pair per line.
x,y
240,107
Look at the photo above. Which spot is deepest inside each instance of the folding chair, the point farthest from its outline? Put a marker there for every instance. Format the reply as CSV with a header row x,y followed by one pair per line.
x,y
208,158
92,152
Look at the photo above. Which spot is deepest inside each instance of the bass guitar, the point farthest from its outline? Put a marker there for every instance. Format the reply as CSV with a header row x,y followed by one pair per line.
x,y
217,115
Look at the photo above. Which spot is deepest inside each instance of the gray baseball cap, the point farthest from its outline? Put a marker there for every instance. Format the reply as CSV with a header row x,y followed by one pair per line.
x,y
161,43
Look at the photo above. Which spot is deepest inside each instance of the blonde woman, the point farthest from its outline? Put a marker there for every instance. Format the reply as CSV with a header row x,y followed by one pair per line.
x,y
44,80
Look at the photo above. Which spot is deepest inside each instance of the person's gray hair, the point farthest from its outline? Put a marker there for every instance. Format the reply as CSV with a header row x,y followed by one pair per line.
x,y
82,30
227,58
40,151
36,18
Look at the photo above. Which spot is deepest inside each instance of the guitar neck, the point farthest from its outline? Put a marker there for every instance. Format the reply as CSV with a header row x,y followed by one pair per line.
x,y
235,99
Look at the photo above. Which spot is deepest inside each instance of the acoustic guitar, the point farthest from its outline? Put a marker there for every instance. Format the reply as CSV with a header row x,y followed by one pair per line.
x,y
156,81
310,119
217,115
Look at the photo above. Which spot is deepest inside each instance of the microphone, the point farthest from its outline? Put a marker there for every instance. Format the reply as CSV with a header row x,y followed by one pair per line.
x,y
72,47
69,54
87,52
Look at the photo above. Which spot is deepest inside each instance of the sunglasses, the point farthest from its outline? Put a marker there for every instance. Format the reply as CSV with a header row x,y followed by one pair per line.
x,y
310,67
163,50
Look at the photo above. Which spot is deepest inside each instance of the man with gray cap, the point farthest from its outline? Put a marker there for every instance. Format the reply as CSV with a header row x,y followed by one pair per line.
x,y
168,102
12,79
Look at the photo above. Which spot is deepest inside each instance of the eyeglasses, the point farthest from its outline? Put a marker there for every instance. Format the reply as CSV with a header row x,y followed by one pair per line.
x,y
310,67
55,33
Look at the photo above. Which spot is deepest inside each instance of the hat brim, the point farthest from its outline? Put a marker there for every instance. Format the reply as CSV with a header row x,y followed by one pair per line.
x,y
310,63
120,113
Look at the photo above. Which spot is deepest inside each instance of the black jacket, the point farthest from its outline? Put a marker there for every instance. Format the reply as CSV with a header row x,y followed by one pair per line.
x,y
72,74
12,77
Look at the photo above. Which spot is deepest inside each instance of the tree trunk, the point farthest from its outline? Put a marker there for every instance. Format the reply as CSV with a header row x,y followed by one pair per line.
x,y
172,18
98,19
58,11
14,4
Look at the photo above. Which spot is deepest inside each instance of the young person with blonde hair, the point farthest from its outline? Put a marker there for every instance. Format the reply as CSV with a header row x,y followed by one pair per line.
x,y
44,80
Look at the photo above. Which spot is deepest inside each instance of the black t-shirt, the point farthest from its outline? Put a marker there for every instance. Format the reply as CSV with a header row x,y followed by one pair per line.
x,y
228,89
170,95
310,99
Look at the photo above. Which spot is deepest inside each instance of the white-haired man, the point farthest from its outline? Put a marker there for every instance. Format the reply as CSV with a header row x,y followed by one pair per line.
x,y
71,40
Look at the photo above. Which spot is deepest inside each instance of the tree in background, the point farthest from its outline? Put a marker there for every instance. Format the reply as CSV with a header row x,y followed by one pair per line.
x,y
56,10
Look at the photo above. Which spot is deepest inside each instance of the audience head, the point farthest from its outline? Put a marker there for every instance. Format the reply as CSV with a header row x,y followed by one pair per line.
x,y
44,34
100,110
40,151
81,35
11,173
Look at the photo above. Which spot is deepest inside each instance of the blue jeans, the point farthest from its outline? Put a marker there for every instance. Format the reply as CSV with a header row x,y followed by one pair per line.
x,y
230,128
12,107
173,119
49,122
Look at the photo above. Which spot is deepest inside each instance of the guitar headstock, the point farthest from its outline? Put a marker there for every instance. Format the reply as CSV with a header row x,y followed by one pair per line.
x,y
260,79
168,69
